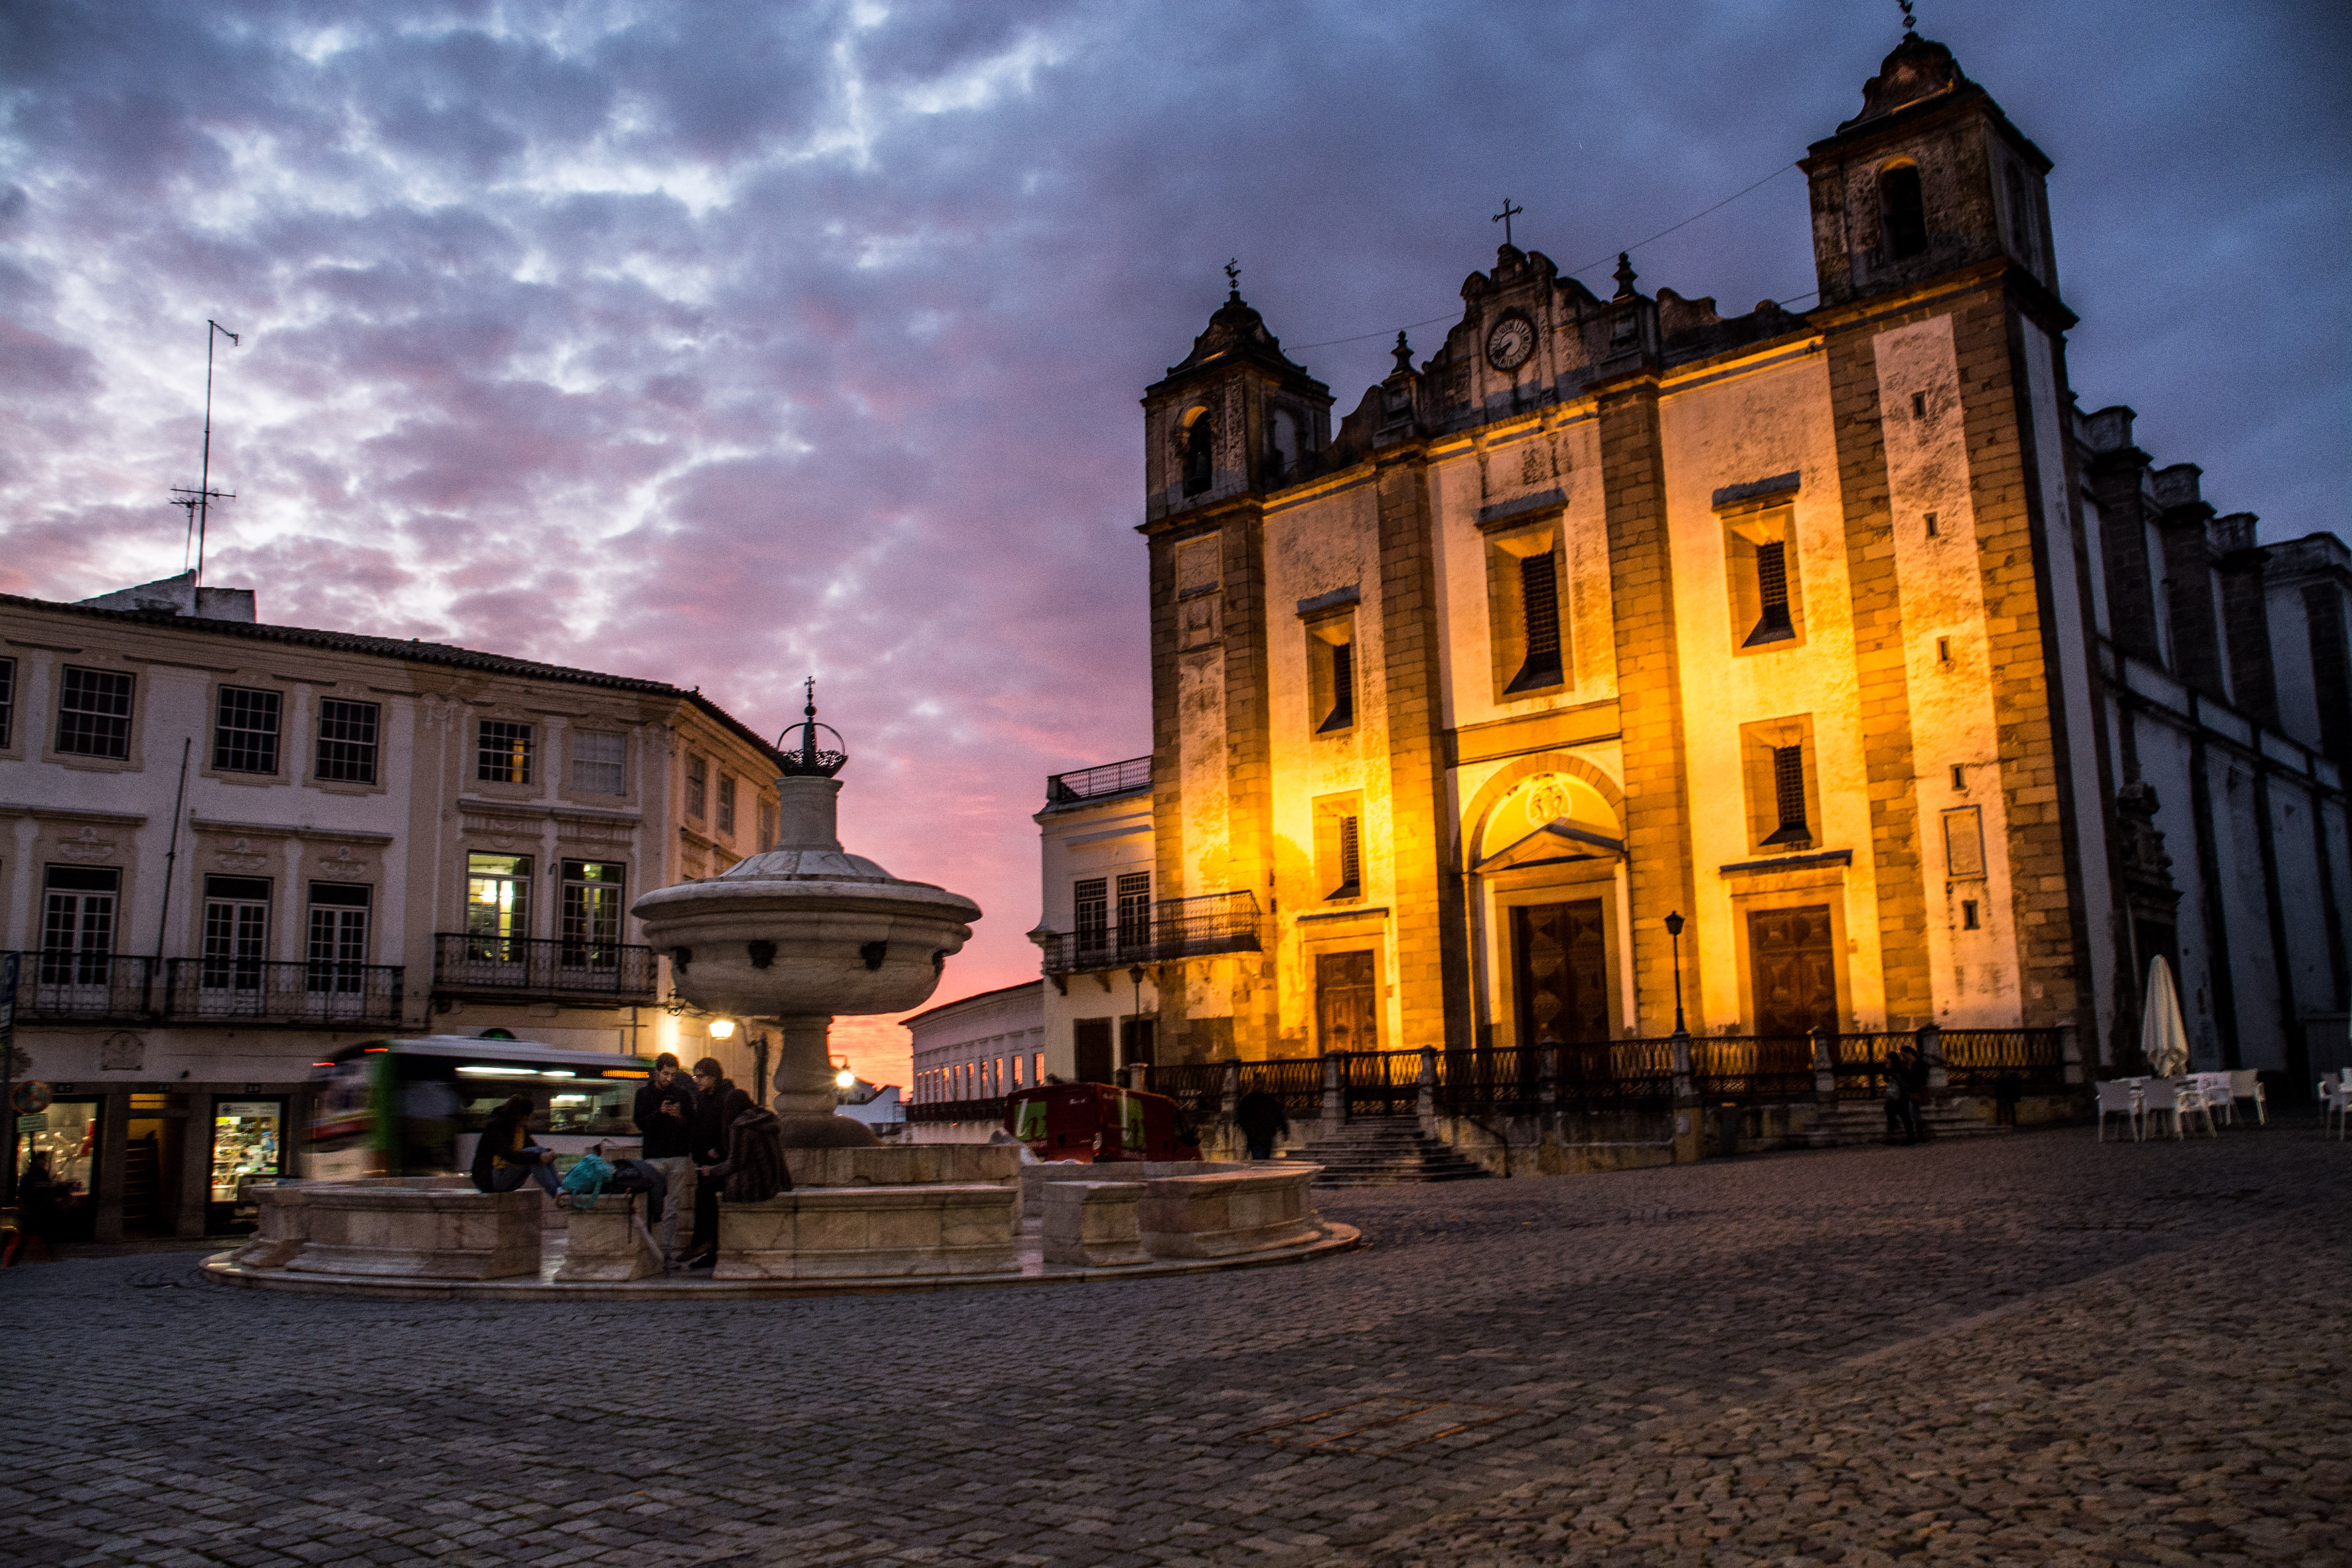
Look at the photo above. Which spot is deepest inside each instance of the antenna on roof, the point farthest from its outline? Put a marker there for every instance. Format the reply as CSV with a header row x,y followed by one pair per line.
x,y
198,501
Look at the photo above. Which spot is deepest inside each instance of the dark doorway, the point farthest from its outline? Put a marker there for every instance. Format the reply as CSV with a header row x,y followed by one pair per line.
x,y
1561,952
1092,1038
1135,1039
1793,965
1346,1002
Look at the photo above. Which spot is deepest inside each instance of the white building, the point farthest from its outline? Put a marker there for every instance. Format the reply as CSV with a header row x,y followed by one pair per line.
x,y
976,1049
228,847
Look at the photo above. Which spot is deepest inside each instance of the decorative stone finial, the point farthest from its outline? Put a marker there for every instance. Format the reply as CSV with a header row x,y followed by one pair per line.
x,y
1403,352
1234,280
1625,276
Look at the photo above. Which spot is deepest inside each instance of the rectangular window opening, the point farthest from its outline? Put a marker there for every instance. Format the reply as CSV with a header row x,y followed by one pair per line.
x,y
1352,878
698,788
245,731
498,906
1090,905
1960,776
1789,795
77,924
1773,623
1967,914
727,805
591,916
504,753
597,761
94,714
1943,650
1930,520
1540,611
1342,715
338,939
235,932
1135,910
7,703
347,739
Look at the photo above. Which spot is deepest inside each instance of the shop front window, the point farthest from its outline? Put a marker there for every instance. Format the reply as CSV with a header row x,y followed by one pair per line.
x,y
249,1140
57,1169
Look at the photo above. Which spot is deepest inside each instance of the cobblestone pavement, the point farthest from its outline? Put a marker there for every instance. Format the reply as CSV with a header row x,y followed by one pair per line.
x,y
2032,1349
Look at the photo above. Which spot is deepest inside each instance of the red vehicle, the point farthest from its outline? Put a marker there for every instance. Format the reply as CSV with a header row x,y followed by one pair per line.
x,y
1098,1123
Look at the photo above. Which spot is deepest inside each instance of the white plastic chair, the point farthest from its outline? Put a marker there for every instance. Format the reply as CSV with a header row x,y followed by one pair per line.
x,y
2172,1098
2247,1084
2117,1098
2336,1099
2195,1101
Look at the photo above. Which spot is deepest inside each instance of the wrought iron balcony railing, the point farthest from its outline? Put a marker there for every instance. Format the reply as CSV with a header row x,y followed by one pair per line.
x,y
513,966
225,989
89,987
1092,783
1173,927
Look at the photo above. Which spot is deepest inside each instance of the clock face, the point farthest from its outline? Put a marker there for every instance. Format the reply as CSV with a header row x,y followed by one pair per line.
x,y
1511,341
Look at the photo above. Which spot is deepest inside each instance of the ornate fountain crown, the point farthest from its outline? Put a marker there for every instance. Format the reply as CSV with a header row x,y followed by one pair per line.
x,y
806,757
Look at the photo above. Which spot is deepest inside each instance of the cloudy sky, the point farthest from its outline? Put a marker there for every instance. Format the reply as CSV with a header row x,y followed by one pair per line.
x,y
723,344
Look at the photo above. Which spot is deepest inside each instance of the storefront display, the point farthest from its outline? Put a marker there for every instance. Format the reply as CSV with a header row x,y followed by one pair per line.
x,y
248,1138
57,1169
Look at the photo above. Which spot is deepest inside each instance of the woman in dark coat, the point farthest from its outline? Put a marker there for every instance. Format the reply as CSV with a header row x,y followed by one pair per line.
x,y
719,1103
506,1157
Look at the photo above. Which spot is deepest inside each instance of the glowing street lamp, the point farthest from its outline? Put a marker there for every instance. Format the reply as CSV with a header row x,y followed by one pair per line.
x,y
723,1028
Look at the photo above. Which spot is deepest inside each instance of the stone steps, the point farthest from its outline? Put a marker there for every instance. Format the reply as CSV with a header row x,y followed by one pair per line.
x,y
1860,1121
1384,1152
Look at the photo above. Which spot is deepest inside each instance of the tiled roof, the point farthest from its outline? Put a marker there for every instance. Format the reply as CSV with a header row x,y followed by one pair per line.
x,y
413,650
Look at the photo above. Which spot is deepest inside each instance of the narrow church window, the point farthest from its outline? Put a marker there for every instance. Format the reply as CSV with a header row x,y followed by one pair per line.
x,y
1539,608
1960,776
1200,455
1351,879
1789,795
1905,210
1931,525
1967,914
1918,405
1343,688
1772,624
1943,650
2021,221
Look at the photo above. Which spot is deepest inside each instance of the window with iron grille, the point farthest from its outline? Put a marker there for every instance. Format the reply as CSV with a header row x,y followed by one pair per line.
x,y
1135,909
698,788
596,762
94,714
1539,613
245,731
1342,714
1351,872
504,753
727,805
7,703
347,732
1772,622
1090,902
237,932
1789,795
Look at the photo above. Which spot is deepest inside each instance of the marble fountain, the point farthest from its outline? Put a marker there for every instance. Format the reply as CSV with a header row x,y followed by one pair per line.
x,y
794,936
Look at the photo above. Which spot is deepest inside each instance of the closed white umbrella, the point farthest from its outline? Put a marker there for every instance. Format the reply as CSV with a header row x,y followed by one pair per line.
x,y
2163,1037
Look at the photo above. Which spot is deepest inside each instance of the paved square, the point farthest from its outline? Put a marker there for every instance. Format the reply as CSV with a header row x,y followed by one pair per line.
x,y
2030,1349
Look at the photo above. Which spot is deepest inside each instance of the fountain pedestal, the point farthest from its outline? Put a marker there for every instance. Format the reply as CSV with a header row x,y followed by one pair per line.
x,y
801,933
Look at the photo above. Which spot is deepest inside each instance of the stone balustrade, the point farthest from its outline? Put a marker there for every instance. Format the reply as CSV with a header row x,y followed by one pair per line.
x,y
870,1232
1227,1213
1092,1225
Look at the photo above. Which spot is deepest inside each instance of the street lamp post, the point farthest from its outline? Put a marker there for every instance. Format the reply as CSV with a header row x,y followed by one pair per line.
x,y
1674,930
1135,1017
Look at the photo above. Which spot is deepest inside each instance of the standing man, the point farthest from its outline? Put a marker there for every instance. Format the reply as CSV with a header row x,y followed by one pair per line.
x,y
1261,1118
665,1118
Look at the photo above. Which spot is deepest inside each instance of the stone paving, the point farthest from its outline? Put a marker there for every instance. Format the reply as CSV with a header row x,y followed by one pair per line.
x,y
2031,1348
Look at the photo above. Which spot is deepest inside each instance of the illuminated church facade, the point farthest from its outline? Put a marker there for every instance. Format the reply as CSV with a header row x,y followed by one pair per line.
x,y
1919,692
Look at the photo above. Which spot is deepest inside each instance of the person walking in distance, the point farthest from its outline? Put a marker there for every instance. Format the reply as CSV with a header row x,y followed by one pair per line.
x,y
1261,1118
665,1118
1895,1085
1915,1093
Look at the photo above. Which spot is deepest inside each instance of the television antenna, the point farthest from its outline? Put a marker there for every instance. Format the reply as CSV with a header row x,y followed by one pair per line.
x,y
198,501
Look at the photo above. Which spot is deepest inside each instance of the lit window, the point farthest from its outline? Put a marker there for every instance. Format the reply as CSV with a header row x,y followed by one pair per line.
x,y
596,762
498,906
504,753
347,734
245,731
94,714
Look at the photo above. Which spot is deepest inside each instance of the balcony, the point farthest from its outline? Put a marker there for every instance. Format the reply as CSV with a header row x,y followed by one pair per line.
x,y
1198,927
125,988
1098,784
536,969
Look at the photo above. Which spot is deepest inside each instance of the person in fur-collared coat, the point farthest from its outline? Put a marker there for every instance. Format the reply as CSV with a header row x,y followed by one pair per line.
x,y
755,1168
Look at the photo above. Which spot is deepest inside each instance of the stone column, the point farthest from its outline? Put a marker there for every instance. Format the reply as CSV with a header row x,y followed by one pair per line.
x,y
2070,1053
806,1097
1425,1099
1825,1068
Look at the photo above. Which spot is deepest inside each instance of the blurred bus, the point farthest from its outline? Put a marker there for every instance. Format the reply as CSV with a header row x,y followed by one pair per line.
x,y
416,1107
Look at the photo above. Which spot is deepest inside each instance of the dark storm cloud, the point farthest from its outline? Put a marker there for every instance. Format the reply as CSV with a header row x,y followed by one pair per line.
x,y
723,344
